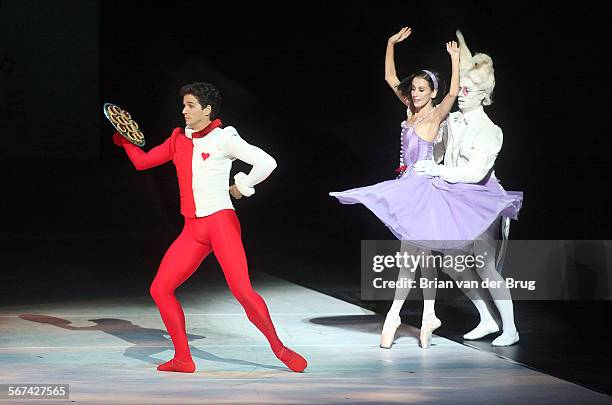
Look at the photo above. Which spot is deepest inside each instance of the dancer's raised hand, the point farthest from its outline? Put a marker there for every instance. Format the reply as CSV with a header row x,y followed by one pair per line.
x,y
453,49
400,36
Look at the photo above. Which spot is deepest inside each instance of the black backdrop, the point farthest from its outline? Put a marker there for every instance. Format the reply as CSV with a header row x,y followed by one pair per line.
x,y
304,81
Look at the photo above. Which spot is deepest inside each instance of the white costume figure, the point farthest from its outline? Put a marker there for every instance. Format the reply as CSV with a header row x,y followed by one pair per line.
x,y
469,146
471,140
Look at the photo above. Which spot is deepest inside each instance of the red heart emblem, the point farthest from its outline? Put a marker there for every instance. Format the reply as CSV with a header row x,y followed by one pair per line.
x,y
205,155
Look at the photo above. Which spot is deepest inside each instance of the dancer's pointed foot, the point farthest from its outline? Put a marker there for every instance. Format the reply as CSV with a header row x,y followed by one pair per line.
x,y
483,329
177,366
427,328
291,359
388,333
508,338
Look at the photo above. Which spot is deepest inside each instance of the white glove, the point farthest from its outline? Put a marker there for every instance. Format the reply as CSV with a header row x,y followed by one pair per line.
x,y
240,180
427,168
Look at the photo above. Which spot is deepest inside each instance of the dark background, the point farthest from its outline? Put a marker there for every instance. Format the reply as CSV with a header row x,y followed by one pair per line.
x,y
305,82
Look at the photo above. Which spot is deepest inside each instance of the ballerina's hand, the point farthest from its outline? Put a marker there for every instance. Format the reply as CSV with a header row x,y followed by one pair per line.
x,y
453,49
400,36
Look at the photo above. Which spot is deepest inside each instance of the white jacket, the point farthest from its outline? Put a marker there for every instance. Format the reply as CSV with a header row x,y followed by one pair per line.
x,y
469,144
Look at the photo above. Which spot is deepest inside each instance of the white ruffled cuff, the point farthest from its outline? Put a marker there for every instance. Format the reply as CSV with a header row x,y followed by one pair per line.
x,y
240,181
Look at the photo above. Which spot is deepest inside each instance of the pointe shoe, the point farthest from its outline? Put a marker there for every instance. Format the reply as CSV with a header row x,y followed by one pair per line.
x,y
388,333
387,338
177,366
294,361
506,339
483,329
427,328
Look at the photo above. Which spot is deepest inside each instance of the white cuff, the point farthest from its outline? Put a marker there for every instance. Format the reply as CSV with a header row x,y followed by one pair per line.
x,y
240,181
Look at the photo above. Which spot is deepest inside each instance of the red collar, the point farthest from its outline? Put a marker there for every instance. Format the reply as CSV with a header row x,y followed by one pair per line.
x,y
202,133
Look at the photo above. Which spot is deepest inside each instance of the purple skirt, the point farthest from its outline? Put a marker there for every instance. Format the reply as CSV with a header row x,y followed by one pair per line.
x,y
432,212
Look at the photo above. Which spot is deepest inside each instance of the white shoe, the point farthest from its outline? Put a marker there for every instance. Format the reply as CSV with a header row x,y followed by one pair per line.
x,y
427,328
506,339
483,329
388,333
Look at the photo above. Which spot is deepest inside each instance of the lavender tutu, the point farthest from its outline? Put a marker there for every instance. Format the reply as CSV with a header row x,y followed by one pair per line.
x,y
431,212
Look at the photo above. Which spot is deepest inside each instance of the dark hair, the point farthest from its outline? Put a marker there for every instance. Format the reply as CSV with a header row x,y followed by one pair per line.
x,y
405,85
206,93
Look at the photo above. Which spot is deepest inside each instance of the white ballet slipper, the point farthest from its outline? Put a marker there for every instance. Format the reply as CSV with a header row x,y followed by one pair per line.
x,y
506,339
483,329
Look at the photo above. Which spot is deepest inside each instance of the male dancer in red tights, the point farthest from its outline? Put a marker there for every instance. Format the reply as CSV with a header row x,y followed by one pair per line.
x,y
203,153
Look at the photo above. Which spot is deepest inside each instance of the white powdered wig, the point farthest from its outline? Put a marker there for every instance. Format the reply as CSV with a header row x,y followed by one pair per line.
x,y
478,69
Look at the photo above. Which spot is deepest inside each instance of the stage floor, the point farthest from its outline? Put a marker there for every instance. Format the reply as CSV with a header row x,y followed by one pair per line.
x,y
107,351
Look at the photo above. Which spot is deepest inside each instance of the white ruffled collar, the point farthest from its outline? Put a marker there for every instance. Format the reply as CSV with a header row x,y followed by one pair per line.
x,y
474,115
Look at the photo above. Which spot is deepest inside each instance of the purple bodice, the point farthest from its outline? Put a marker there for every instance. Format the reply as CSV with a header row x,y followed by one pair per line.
x,y
415,148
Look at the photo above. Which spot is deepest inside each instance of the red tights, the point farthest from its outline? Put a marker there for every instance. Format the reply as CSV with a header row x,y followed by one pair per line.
x,y
219,232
